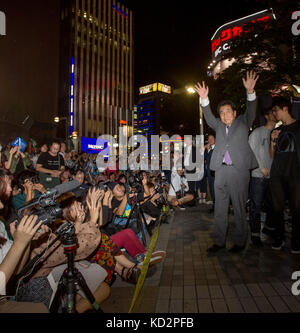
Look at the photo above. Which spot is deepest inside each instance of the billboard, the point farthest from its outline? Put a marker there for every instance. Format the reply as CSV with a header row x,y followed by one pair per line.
x,y
95,146
155,87
222,39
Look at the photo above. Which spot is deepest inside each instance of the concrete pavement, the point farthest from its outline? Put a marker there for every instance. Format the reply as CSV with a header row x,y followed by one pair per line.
x,y
189,281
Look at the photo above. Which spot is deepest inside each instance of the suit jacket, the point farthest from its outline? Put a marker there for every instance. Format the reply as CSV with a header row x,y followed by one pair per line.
x,y
236,142
207,159
192,159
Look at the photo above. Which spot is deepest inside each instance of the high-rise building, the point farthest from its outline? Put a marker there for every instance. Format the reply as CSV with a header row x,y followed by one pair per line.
x,y
152,104
96,68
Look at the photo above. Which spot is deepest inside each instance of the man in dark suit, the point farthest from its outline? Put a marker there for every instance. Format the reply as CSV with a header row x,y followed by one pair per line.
x,y
209,173
231,160
189,158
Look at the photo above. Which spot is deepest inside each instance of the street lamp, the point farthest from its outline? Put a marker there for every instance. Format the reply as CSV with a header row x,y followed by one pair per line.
x,y
190,90
58,120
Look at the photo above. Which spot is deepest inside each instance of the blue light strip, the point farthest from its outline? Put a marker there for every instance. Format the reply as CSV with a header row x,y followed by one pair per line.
x,y
72,98
119,11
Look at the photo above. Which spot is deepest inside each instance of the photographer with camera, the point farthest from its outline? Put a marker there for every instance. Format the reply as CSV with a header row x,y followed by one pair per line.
x,y
29,188
124,202
82,189
127,240
152,204
52,264
179,189
15,160
14,253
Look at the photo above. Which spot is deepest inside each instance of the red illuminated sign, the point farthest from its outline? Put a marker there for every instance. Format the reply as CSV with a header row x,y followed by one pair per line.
x,y
221,40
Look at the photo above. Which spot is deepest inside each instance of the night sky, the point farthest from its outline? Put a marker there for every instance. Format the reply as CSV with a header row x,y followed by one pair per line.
x,y
172,38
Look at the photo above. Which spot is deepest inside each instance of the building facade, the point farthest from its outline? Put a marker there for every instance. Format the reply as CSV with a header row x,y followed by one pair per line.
x,y
153,101
96,68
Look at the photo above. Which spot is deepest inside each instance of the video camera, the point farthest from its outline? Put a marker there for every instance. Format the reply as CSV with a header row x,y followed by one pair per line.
x,y
46,207
34,179
135,181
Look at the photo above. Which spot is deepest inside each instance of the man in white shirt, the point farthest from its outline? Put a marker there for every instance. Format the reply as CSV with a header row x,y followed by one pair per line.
x,y
189,159
259,141
179,193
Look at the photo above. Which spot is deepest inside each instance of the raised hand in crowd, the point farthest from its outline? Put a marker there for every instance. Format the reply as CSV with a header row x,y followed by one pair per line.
x,y
250,81
108,196
13,150
94,204
18,253
39,187
202,90
28,186
176,157
24,232
19,152
79,215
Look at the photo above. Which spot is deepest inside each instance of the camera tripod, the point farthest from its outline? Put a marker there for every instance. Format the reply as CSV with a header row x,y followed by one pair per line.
x,y
141,220
71,276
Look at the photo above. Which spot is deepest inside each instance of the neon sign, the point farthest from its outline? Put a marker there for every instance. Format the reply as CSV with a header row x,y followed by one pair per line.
x,y
155,87
119,11
222,38
72,98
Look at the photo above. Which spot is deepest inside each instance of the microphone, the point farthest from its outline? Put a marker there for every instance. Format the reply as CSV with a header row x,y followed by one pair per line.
x,y
61,189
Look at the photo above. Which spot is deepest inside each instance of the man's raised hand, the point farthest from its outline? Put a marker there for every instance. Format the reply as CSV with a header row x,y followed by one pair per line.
x,y
250,81
202,90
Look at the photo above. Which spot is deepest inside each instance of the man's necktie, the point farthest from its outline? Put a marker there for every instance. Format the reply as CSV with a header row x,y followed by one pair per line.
x,y
227,158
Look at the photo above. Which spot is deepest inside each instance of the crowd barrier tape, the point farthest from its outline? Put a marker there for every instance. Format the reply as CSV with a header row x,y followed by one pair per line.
x,y
145,266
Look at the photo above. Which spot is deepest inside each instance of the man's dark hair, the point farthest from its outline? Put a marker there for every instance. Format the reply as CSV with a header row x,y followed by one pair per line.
x,y
282,102
267,111
3,185
122,176
53,142
26,174
226,102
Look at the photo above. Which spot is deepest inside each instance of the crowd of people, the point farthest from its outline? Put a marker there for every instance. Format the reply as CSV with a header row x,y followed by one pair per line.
x,y
112,211
110,237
